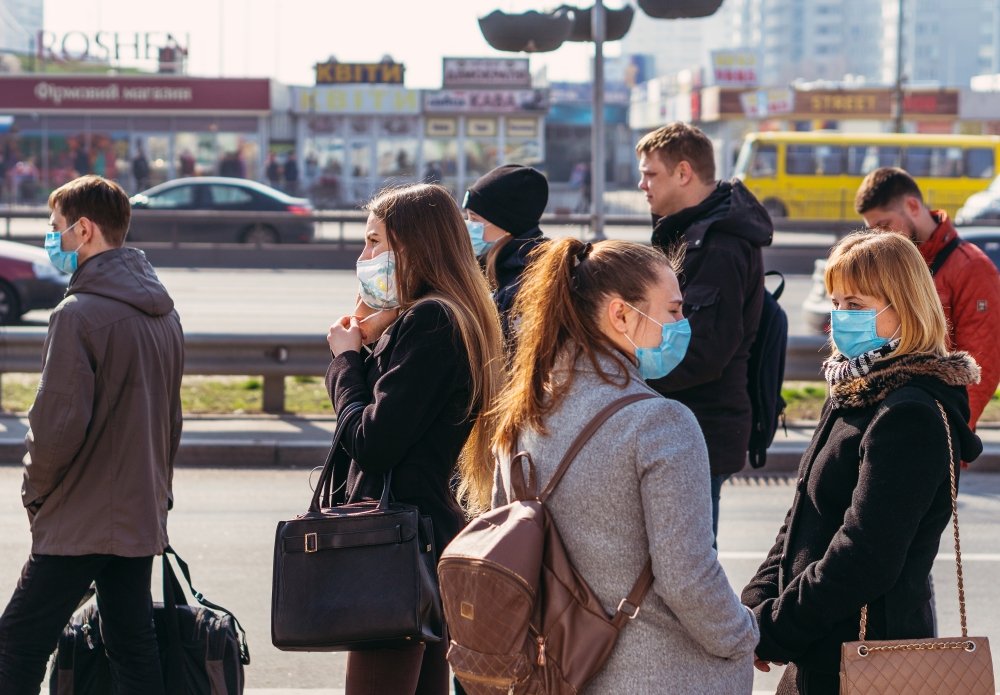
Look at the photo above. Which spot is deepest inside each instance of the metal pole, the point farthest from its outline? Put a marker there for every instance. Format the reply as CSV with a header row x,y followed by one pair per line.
x,y
898,94
597,125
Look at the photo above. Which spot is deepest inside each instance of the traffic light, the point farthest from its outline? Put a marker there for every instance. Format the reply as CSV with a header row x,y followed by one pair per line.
x,y
532,32
679,9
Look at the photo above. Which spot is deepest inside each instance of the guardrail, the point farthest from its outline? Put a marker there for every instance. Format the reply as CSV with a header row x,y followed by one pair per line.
x,y
356,217
275,357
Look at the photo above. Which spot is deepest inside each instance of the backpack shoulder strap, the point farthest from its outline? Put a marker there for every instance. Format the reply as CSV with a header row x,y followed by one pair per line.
x,y
628,607
781,285
943,254
585,434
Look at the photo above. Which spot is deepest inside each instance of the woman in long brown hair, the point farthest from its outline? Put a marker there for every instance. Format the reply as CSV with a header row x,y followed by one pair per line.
x,y
595,322
426,388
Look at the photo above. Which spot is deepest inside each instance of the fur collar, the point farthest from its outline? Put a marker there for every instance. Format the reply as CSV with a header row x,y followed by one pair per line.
x,y
954,369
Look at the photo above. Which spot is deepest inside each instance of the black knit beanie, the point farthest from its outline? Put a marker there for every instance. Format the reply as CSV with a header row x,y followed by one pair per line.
x,y
512,197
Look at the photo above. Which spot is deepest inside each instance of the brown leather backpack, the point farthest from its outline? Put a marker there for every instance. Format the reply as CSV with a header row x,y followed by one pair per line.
x,y
520,617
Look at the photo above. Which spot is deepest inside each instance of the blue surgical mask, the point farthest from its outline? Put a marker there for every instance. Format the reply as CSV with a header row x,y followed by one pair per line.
x,y
377,281
65,261
854,331
657,362
476,231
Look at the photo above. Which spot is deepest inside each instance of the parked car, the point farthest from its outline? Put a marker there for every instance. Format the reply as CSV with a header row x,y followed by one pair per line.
x,y
816,306
28,281
293,223
982,207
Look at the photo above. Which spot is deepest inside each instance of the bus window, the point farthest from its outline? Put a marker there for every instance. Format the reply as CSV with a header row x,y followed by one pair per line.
x,y
917,161
864,159
979,163
829,160
800,159
765,161
946,162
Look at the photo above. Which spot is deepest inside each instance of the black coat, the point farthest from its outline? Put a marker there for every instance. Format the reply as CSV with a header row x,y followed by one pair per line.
x,y
723,285
872,500
415,387
510,262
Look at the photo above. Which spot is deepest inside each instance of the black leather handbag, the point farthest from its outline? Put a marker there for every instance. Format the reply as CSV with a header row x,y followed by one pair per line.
x,y
354,575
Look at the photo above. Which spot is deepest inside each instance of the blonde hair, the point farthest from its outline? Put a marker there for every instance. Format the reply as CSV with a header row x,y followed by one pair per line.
x,y
558,304
434,262
889,267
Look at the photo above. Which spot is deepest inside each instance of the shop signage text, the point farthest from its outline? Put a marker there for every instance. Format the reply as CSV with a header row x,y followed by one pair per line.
x,y
106,45
486,72
131,94
734,68
356,100
359,73
485,101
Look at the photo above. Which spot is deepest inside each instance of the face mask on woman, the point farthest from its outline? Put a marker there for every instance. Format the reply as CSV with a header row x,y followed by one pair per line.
x,y
476,231
377,281
854,331
657,362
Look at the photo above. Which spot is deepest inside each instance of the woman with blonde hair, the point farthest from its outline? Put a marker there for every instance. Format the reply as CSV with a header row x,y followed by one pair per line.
x,y
426,389
596,321
873,492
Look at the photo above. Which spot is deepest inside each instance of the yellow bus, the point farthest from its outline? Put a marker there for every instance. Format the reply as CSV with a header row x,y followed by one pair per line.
x,y
816,175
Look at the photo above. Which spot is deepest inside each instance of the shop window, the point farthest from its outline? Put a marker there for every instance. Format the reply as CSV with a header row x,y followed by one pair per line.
x,y
397,157
979,163
480,157
800,160
524,151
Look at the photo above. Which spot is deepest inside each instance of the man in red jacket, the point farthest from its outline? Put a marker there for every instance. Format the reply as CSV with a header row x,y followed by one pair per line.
x,y
965,278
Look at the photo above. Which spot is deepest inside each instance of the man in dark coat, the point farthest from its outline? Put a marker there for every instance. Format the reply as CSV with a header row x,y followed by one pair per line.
x,y
104,430
720,227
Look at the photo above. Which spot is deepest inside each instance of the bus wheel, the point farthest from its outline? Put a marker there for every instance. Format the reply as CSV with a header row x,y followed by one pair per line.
x,y
775,208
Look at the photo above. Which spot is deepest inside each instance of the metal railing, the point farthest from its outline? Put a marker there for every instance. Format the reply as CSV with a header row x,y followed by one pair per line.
x,y
275,357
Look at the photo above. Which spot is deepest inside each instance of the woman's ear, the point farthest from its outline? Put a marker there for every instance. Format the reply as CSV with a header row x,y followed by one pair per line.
x,y
617,314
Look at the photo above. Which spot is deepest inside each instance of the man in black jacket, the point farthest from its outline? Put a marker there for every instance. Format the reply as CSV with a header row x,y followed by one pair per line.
x,y
720,227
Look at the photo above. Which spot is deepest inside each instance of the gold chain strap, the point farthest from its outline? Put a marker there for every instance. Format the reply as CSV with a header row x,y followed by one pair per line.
x,y
958,569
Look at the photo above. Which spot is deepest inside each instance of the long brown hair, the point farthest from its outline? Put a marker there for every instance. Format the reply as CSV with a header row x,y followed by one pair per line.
x,y
434,261
558,307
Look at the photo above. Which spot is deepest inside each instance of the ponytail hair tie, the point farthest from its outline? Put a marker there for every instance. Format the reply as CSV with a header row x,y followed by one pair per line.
x,y
582,254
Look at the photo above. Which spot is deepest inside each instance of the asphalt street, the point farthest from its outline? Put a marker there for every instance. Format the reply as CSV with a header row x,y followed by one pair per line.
x,y
224,520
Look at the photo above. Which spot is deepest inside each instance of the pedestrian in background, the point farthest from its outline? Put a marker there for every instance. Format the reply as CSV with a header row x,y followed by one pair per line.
x,y
965,278
273,171
874,492
427,389
504,208
291,174
720,228
596,321
140,169
104,430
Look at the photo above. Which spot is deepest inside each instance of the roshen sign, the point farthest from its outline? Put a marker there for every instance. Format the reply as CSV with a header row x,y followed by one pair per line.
x,y
106,45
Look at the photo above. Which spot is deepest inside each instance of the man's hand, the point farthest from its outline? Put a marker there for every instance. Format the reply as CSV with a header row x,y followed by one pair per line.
x,y
765,666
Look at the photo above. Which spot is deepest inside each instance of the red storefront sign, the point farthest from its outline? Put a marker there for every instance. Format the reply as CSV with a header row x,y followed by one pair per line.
x,y
126,93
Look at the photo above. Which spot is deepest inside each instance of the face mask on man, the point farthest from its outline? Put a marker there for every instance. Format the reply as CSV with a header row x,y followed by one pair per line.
x,y
854,331
377,281
476,231
657,362
65,261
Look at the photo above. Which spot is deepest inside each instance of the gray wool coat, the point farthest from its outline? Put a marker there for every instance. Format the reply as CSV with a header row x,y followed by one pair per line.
x,y
641,487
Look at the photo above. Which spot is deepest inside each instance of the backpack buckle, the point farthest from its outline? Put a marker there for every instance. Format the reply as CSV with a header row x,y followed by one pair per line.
x,y
623,607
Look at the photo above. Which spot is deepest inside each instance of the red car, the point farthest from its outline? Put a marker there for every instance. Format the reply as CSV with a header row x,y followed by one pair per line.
x,y
28,281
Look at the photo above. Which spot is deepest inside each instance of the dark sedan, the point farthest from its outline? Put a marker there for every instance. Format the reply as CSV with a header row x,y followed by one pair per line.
x,y
284,220
816,307
28,281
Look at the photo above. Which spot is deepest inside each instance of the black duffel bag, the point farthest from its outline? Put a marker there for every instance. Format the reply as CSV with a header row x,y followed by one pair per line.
x,y
202,648
354,575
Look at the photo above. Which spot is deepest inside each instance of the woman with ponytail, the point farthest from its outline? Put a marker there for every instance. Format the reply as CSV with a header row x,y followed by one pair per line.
x,y
596,321
427,389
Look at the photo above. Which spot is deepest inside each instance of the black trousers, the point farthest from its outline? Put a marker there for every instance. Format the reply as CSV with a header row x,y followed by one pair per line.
x,y
47,593
416,669
797,681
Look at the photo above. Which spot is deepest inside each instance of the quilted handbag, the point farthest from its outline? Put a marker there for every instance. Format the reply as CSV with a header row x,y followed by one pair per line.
x,y
953,665
354,575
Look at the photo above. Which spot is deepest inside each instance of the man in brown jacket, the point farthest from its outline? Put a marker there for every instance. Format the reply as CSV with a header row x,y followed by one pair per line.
x,y
104,429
